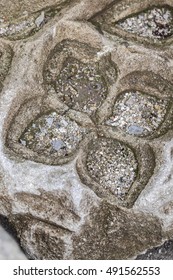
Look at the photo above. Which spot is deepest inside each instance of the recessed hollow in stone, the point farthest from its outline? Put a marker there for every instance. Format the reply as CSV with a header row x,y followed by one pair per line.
x,y
112,164
137,113
53,134
79,85
155,23
26,25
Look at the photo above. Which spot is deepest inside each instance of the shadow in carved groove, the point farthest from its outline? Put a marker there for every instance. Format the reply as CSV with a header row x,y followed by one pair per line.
x,y
153,24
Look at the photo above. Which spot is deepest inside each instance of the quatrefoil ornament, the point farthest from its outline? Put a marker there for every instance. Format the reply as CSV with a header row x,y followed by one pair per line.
x,y
73,127
86,115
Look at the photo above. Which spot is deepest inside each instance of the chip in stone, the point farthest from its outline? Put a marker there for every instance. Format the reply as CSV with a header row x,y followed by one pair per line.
x,y
137,113
53,134
112,164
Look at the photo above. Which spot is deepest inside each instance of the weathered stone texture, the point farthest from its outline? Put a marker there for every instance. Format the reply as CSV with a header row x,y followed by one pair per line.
x,y
86,121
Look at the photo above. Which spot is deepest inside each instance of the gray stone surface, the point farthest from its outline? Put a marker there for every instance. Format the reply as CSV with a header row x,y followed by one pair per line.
x,y
74,184
9,249
163,252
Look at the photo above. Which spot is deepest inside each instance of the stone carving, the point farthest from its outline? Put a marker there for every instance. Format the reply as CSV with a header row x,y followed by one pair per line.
x,y
154,23
137,113
86,129
27,24
80,85
53,135
6,54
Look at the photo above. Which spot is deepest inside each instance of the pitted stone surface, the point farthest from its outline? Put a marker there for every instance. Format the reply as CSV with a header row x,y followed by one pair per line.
x,y
25,27
156,23
138,114
112,165
151,22
27,23
80,86
86,118
75,75
53,134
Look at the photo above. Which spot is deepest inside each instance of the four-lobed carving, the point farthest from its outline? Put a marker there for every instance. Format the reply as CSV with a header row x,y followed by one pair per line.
x,y
92,119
